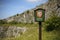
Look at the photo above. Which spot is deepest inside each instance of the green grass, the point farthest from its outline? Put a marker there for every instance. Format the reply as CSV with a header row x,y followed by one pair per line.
x,y
52,35
32,33
21,25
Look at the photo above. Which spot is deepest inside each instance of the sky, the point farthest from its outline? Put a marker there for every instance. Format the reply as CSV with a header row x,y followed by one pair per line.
x,y
12,7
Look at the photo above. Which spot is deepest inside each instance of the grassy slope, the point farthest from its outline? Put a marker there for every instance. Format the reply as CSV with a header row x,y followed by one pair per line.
x,y
32,33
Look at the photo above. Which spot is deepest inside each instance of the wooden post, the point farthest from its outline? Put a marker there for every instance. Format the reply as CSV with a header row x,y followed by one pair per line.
x,y
40,30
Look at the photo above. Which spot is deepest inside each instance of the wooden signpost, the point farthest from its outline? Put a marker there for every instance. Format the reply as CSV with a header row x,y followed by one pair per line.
x,y
39,17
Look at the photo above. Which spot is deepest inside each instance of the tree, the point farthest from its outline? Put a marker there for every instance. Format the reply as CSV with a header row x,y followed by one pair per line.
x,y
28,11
17,14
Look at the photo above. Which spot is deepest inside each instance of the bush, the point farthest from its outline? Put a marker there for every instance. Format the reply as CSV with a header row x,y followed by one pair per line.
x,y
3,22
13,22
52,23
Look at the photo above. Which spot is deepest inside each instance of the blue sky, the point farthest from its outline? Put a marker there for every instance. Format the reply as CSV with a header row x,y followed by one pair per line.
x,y
11,7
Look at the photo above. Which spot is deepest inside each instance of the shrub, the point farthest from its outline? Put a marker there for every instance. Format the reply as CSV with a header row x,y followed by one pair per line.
x,y
13,22
52,23
3,22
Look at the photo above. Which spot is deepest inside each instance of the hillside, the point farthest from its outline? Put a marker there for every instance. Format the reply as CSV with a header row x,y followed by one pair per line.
x,y
28,16
26,20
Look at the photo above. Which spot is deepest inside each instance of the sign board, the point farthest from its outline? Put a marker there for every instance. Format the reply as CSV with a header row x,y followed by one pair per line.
x,y
39,15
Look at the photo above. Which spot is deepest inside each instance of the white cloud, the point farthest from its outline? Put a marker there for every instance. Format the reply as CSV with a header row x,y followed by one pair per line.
x,y
33,0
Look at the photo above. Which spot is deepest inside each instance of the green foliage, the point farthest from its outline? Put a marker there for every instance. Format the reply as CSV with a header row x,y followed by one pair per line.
x,y
28,11
17,14
13,22
31,22
2,22
52,23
